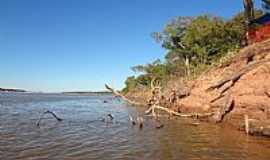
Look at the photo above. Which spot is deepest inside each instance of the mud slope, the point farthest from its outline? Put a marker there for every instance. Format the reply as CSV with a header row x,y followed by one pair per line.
x,y
250,91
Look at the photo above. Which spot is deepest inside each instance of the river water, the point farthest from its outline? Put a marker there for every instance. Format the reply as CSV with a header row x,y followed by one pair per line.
x,y
83,135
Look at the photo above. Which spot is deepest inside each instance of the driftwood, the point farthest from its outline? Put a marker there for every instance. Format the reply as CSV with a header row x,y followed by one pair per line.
x,y
118,94
140,121
132,120
155,104
156,96
48,112
171,112
108,118
255,127
236,76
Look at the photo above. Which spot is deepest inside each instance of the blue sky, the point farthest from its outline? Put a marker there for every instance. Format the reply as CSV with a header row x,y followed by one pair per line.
x,y
70,45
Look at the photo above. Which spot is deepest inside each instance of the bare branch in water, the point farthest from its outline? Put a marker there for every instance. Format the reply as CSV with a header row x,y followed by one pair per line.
x,y
110,116
48,112
122,96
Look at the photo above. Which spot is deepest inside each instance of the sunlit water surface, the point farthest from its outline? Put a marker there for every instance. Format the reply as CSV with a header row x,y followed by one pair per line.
x,y
82,134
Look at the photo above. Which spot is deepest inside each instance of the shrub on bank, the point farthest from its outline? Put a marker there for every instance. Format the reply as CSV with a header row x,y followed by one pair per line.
x,y
192,44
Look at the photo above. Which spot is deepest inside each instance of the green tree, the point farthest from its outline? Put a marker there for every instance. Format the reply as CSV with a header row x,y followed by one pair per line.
x,y
207,39
237,27
191,44
171,39
153,70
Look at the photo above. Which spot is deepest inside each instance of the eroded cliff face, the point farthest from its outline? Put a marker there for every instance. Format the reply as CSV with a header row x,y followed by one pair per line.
x,y
250,91
238,87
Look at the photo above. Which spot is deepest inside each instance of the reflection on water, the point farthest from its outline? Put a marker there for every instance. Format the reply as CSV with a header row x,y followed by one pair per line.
x,y
83,136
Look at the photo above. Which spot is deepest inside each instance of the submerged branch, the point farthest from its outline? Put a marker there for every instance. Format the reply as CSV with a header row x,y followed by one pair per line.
x,y
155,105
48,112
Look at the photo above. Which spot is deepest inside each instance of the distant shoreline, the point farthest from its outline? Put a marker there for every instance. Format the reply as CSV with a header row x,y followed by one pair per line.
x,y
11,90
87,93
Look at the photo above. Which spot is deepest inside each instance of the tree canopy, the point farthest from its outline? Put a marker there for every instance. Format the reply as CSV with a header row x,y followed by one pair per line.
x,y
191,43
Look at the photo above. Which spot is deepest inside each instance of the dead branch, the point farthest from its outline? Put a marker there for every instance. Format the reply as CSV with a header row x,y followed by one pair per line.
x,y
246,124
122,96
107,118
132,120
236,76
171,112
140,121
156,92
159,124
110,116
48,112
155,103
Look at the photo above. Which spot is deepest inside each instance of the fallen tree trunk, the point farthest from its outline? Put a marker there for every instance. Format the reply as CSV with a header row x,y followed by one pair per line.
x,y
122,96
158,107
171,112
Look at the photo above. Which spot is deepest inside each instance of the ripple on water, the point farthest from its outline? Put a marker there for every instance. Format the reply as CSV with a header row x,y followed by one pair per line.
x,y
83,136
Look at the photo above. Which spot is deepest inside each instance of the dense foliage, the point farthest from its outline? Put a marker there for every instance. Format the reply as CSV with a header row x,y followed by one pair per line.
x,y
192,44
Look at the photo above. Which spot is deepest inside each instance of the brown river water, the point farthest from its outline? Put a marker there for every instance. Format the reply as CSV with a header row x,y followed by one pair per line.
x,y
82,135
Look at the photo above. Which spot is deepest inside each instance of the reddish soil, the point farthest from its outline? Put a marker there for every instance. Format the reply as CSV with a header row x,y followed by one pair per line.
x,y
251,93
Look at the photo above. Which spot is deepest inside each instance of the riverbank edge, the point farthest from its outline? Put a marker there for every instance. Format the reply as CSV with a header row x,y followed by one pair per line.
x,y
250,92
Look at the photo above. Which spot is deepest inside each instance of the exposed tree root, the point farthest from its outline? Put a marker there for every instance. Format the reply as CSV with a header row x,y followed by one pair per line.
x,y
223,89
48,112
226,87
225,84
235,77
